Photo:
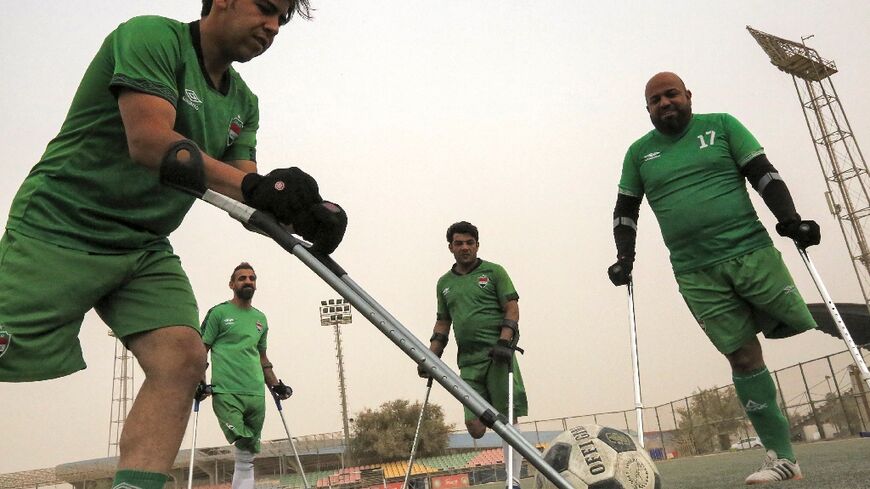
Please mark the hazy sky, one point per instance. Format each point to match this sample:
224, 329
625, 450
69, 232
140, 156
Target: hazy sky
413, 115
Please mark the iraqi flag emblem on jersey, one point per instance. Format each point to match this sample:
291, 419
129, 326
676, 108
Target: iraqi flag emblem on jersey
235, 130
482, 281
259, 326
5, 341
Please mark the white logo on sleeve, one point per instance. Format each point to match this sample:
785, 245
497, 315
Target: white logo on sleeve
192, 99
651, 156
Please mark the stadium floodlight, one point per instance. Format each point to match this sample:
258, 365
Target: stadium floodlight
335, 312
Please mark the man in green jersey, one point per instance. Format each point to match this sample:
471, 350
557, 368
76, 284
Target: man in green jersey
235, 332
693, 169
478, 298
89, 225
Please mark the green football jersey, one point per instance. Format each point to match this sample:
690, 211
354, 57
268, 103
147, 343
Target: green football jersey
86, 193
474, 303
236, 336
694, 187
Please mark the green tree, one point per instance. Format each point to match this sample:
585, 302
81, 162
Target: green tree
386, 434
712, 417
841, 413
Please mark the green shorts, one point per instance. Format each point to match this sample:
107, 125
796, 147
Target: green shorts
737, 299
490, 380
241, 418
48, 289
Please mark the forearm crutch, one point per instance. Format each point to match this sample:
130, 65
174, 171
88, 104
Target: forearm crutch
331, 273
289, 438
193, 443
835, 315
510, 409
417, 434
635, 362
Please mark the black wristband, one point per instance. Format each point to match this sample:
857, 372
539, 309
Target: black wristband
440, 337
267, 365
510, 323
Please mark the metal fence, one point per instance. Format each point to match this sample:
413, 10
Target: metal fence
823, 398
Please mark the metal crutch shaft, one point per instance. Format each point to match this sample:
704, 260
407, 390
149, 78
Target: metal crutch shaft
290, 439
635, 363
193, 443
835, 315
331, 273
509, 476
417, 434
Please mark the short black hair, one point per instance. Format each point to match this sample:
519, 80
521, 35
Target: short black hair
241, 266
462, 227
296, 6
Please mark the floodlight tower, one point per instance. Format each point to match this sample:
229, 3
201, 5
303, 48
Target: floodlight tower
842, 162
335, 312
122, 394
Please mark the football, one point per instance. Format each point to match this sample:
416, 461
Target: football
598, 457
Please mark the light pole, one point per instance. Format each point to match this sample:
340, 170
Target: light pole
335, 312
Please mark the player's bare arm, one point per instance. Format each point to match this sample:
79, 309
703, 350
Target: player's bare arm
149, 121
440, 338
440, 335
511, 313
279, 389
268, 370
247, 166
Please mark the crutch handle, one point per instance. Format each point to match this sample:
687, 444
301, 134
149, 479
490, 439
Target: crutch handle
276, 399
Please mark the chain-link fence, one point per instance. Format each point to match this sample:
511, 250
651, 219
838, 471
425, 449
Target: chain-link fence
823, 398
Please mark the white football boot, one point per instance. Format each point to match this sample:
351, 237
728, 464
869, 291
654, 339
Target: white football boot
774, 470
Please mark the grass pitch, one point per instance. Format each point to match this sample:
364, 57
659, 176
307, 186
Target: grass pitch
841, 464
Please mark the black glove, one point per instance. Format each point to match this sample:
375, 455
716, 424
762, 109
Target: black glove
203, 390
502, 351
804, 233
281, 390
620, 272
323, 224
284, 193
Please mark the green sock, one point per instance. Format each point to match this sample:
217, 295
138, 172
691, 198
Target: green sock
757, 394
134, 479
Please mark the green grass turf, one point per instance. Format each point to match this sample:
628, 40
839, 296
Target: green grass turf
842, 464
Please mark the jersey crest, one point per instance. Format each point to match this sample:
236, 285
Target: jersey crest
259, 326
235, 129
482, 281
5, 340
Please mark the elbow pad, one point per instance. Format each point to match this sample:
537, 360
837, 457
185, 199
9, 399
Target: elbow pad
182, 168
625, 216
770, 186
